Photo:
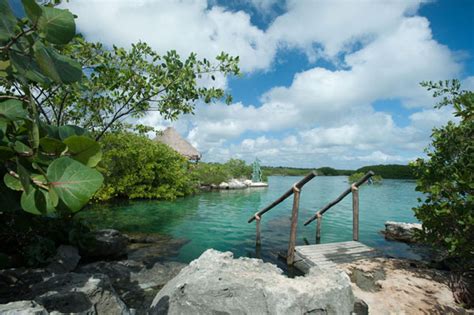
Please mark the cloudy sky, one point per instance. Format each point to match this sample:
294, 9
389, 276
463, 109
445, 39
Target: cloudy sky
325, 83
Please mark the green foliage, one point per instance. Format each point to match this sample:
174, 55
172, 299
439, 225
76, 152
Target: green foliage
137, 167
48, 166
376, 179
393, 171
216, 173
210, 173
446, 177
121, 82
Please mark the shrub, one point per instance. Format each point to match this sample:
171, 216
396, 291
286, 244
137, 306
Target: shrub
137, 167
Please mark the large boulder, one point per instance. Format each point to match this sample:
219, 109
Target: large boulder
66, 259
78, 293
23, 308
223, 185
106, 243
215, 283
400, 231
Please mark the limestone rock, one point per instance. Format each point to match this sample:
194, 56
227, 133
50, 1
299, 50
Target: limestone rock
106, 243
248, 182
23, 308
66, 259
223, 185
215, 283
400, 231
236, 184
78, 293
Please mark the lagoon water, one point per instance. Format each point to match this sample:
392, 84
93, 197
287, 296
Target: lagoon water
219, 219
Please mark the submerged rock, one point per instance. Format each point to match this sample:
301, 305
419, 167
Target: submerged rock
106, 243
400, 231
215, 283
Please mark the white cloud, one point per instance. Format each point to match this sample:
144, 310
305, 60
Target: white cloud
380, 50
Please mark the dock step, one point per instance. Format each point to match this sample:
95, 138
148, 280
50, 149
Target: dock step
331, 255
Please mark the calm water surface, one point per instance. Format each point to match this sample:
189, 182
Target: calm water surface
219, 219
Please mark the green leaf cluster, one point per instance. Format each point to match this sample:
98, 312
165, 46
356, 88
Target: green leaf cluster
446, 176
45, 169
215, 173
118, 83
137, 167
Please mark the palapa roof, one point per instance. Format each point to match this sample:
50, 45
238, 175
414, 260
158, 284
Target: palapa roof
172, 138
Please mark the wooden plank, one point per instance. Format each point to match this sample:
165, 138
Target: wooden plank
331, 255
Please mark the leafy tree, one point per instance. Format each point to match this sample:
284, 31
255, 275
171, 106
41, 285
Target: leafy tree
210, 173
51, 167
376, 179
238, 169
137, 167
394, 171
118, 83
446, 177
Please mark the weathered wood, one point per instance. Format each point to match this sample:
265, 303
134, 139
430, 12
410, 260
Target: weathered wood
258, 241
298, 185
290, 257
331, 255
355, 213
341, 196
318, 229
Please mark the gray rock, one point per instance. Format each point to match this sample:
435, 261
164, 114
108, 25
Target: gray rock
400, 231
107, 243
215, 283
66, 259
79, 294
22, 308
136, 283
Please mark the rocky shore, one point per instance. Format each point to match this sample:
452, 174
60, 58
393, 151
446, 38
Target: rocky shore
123, 274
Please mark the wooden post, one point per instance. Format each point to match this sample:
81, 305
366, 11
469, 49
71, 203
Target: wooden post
318, 228
355, 212
290, 257
257, 223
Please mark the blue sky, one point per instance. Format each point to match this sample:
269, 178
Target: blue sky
325, 83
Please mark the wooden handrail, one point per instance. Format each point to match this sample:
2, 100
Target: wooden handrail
290, 192
341, 196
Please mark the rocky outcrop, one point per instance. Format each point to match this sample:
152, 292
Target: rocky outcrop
66, 259
215, 283
106, 243
400, 231
136, 283
236, 184
23, 308
78, 293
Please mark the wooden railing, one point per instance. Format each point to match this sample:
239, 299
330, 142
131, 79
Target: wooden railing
295, 190
355, 208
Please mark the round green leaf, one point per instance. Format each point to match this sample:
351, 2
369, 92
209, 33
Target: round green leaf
56, 25
84, 149
73, 182
7, 21
32, 9
36, 201
12, 182
69, 130
52, 146
27, 67
59, 68
13, 110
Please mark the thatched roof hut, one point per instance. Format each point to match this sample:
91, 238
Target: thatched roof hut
172, 138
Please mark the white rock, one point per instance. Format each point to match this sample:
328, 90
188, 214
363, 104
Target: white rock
247, 182
215, 283
223, 185
236, 184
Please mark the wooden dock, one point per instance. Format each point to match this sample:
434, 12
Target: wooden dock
331, 255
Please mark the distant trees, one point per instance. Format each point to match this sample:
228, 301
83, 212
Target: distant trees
394, 171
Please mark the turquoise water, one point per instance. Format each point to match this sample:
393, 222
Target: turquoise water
219, 219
